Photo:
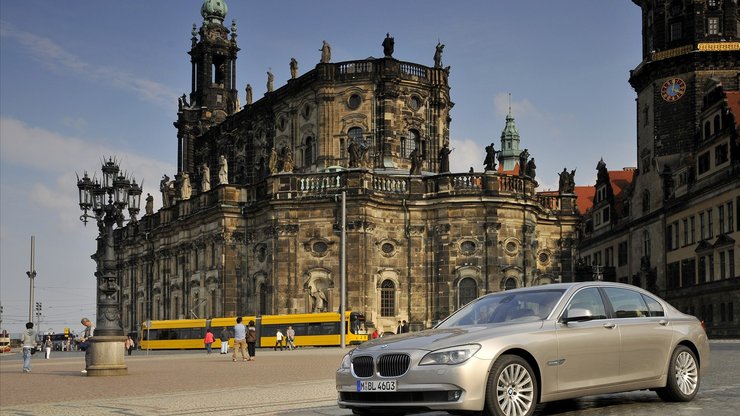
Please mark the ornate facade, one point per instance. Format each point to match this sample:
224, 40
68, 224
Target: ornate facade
251, 224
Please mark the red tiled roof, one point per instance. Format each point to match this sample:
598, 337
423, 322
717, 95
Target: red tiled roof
620, 179
733, 101
584, 198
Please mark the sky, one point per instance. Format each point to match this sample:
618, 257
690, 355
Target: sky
81, 81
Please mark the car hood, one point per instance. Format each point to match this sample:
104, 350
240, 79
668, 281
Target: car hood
434, 339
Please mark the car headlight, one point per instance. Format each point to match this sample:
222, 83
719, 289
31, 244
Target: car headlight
450, 356
347, 360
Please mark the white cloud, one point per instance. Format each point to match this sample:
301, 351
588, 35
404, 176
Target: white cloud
466, 153
54, 56
522, 108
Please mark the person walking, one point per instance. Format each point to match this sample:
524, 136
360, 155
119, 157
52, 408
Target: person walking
240, 339
375, 334
290, 338
208, 340
224, 337
28, 342
405, 327
47, 347
84, 343
251, 339
129, 344
278, 341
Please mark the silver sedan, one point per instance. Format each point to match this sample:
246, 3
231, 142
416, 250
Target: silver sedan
505, 352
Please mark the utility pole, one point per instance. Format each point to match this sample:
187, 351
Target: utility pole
31, 273
343, 273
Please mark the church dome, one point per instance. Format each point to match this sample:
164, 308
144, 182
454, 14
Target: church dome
214, 10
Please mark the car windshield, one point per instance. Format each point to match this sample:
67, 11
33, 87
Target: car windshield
505, 307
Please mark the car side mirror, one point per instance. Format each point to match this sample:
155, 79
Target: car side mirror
577, 315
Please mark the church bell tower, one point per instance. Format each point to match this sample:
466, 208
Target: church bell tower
213, 95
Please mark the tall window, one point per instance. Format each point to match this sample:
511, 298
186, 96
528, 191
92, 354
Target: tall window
467, 291
730, 218
409, 143
676, 31
309, 154
646, 244
693, 234
685, 231
645, 202
722, 269
355, 135
387, 298
721, 215
713, 26
710, 224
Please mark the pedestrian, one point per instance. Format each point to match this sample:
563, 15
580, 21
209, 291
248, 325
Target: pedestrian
278, 341
290, 336
84, 342
375, 334
240, 339
208, 340
251, 339
224, 337
399, 328
405, 327
129, 344
47, 347
28, 342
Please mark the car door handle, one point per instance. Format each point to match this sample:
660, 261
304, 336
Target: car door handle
609, 325
663, 322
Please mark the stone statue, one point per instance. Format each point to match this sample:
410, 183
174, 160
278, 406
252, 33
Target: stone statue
164, 185
270, 79
354, 154
388, 44
185, 189
531, 168
149, 207
293, 68
572, 182
288, 160
438, 55
415, 157
319, 299
249, 94
563, 180
444, 159
523, 156
325, 53
272, 161
184, 101
223, 170
490, 161
205, 178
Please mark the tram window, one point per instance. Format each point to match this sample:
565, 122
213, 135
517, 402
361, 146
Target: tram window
300, 329
329, 328
314, 329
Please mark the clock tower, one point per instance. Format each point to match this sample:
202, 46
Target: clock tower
685, 44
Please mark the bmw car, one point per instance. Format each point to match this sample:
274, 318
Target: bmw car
505, 352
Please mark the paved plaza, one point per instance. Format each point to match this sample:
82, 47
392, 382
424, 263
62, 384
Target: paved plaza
279, 383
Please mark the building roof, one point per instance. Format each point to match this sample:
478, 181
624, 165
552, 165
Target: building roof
584, 198
733, 101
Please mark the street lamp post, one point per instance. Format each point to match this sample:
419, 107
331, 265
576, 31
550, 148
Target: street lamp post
106, 348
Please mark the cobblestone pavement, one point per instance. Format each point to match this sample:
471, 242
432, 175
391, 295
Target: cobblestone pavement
280, 383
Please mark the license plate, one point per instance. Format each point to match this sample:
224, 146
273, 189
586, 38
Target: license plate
376, 385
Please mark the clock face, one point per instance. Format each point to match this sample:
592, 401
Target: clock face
673, 89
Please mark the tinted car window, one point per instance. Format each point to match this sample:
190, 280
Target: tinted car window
655, 308
626, 303
505, 308
589, 299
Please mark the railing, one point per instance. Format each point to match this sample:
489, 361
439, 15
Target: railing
551, 202
390, 184
508, 183
467, 181
320, 183
357, 67
413, 69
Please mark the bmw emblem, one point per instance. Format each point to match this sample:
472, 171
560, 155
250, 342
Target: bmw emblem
384, 346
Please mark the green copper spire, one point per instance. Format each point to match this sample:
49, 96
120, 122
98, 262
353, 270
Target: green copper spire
214, 11
509, 155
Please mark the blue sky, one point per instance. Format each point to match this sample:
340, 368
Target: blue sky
81, 80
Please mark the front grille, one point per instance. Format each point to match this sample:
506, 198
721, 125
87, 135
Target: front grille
393, 365
395, 397
363, 366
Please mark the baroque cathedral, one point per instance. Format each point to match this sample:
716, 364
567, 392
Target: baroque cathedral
252, 221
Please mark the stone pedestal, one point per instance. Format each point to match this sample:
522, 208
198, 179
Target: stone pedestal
105, 356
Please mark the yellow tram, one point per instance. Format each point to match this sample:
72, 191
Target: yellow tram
311, 329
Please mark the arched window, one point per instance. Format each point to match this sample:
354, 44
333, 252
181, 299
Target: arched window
707, 130
387, 298
467, 291
510, 284
645, 201
309, 153
410, 142
262, 300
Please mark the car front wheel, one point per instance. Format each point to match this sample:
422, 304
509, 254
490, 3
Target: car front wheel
512, 388
683, 377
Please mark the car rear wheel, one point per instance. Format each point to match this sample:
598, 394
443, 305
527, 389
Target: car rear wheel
683, 377
512, 388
